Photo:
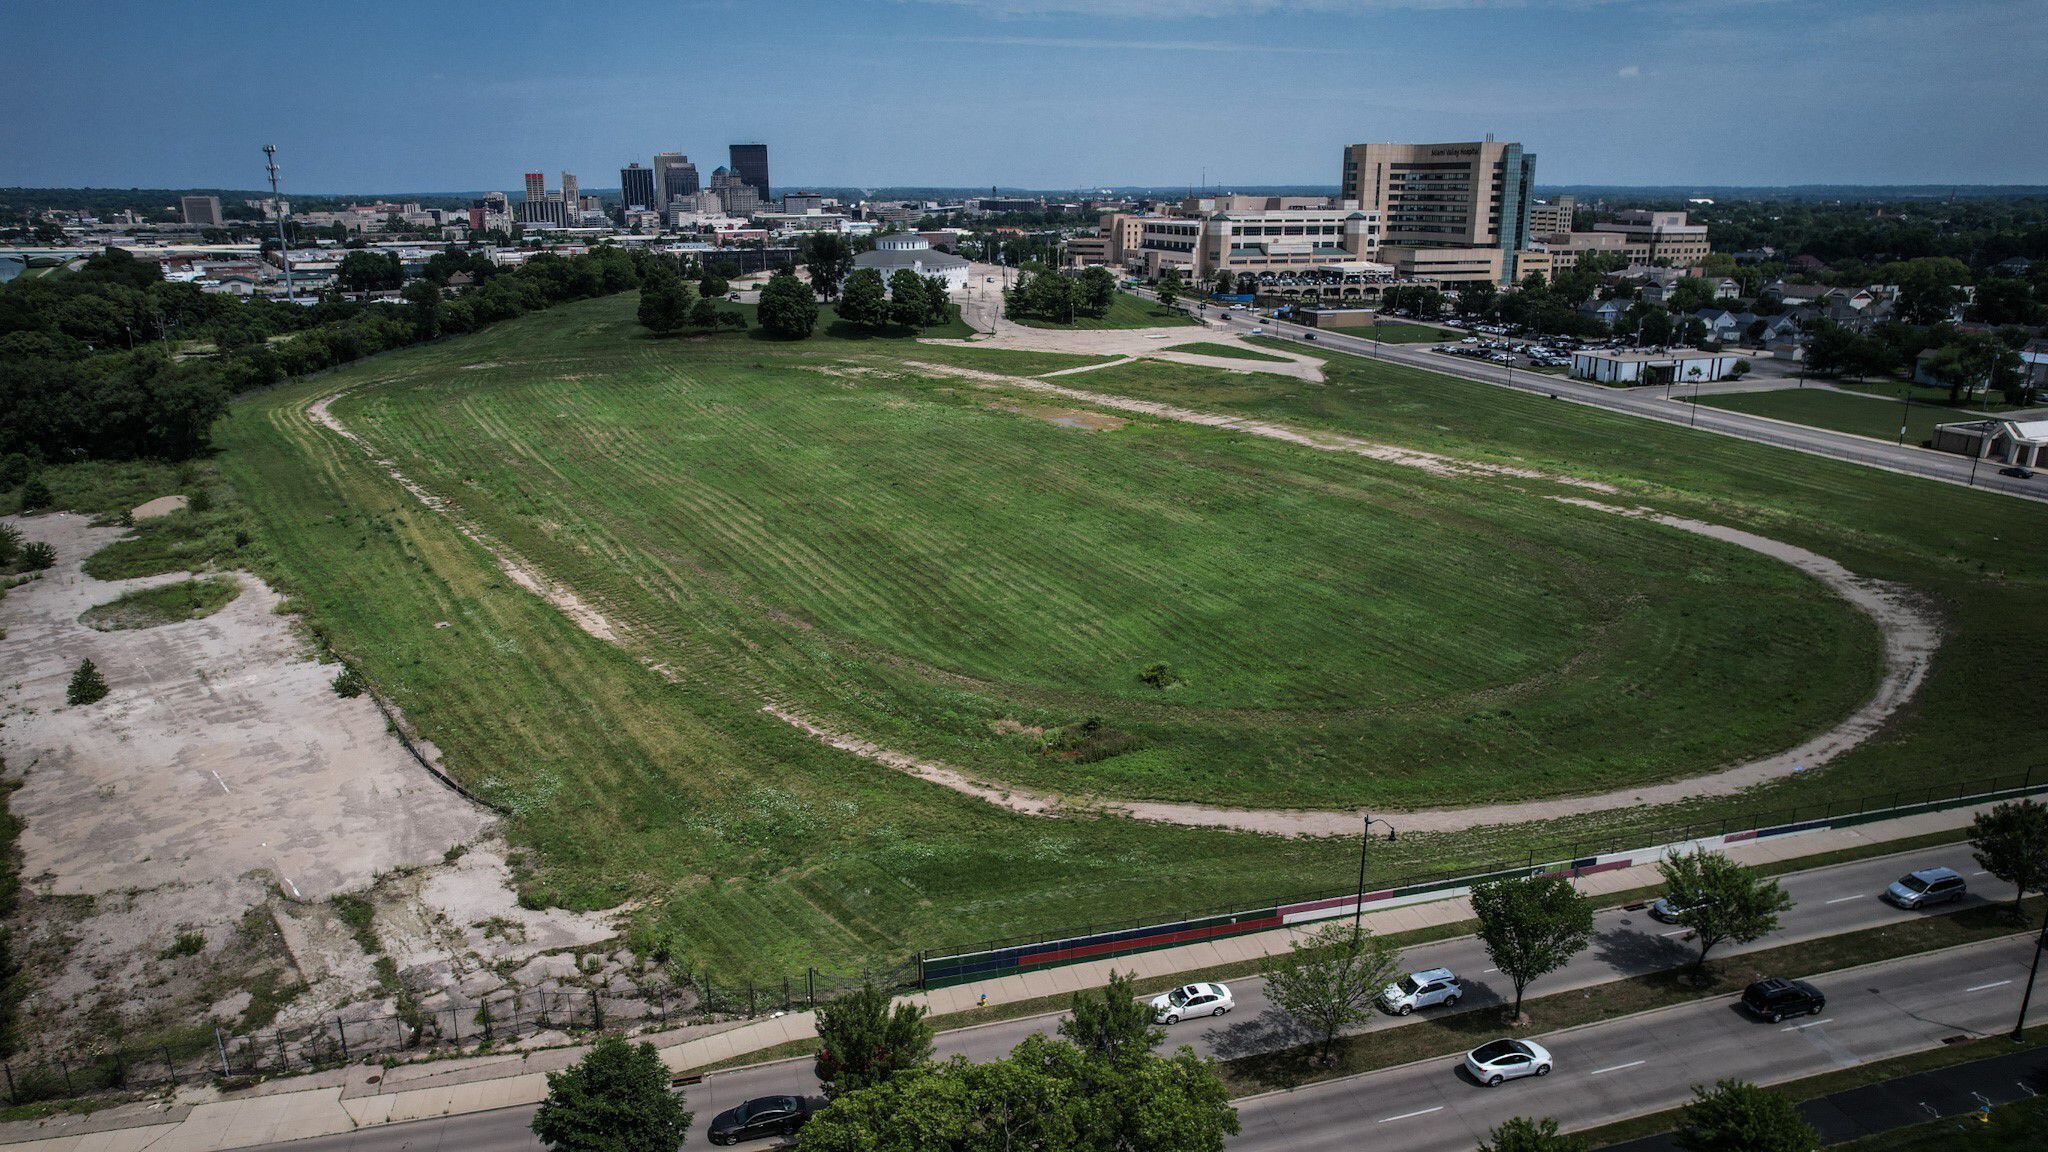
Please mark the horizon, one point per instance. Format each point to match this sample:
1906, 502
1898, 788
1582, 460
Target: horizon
1738, 94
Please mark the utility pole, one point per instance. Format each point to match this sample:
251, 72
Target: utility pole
284, 244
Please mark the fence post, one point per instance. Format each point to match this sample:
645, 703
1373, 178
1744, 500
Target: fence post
222, 1045
282, 1059
596, 1012
13, 1096
169, 1065
341, 1034
811, 987
750, 998
785, 993
484, 1009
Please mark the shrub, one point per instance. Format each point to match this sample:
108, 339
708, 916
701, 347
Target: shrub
187, 944
35, 495
349, 684
87, 685
10, 544
199, 500
1159, 675
36, 556
14, 468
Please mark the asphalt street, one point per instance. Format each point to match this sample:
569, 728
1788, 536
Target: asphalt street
1651, 404
1828, 901
1606, 1072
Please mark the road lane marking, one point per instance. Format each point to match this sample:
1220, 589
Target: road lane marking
217, 780
1617, 1068
1408, 1115
1981, 872
1993, 984
1840, 899
1490, 970
1809, 1024
1680, 932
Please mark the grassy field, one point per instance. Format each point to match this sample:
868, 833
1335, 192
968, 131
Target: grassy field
1232, 351
1125, 311
1404, 332
945, 569
163, 604
1822, 408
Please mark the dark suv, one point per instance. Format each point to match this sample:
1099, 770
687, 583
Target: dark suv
760, 1117
1775, 998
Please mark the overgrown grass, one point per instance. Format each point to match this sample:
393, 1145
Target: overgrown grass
895, 555
1125, 311
1403, 332
1452, 1032
1233, 351
163, 604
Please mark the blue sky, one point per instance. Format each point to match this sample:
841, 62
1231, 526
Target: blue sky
448, 94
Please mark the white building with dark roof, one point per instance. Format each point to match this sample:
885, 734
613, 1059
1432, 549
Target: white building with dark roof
893, 254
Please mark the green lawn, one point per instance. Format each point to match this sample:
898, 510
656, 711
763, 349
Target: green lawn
1125, 311
163, 604
1403, 332
944, 569
1863, 416
1232, 351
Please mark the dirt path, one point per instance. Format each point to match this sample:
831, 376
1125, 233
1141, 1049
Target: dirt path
583, 613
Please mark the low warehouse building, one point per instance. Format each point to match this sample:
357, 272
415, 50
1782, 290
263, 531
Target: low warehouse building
1673, 366
2021, 442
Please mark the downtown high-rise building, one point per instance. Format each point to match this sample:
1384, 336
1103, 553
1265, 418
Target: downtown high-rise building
201, 211
663, 161
571, 205
636, 188
1451, 212
750, 167
533, 210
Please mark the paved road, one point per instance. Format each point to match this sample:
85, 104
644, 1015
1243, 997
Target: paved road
1610, 1071
1650, 404
1829, 901
1956, 1093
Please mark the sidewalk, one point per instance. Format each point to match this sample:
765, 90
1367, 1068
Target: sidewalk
359, 1096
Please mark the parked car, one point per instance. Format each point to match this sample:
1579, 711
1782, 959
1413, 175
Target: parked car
760, 1117
1258, 331
1192, 1000
1665, 910
1926, 888
1507, 1060
1775, 998
1424, 989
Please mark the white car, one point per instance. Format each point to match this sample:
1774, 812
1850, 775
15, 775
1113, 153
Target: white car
1257, 331
1192, 1000
1507, 1060
1424, 989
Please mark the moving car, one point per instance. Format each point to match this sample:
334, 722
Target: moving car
758, 1118
1424, 989
2018, 472
1665, 911
1192, 1000
1926, 888
1775, 998
1506, 1060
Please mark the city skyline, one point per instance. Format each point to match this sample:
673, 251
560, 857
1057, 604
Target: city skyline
1014, 92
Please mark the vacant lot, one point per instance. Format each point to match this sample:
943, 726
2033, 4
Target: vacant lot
1862, 415
1125, 311
938, 566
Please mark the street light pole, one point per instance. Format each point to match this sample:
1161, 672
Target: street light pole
2020, 1026
1364, 839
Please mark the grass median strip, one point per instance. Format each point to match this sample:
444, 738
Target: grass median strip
1455, 1032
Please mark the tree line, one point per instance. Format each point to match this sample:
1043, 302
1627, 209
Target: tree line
112, 362
1061, 297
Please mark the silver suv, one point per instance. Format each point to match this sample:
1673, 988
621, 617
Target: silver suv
1927, 887
1424, 989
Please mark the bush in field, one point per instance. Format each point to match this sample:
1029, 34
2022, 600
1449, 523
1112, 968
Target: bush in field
35, 495
349, 684
87, 685
789, 309
10, 544
36, 556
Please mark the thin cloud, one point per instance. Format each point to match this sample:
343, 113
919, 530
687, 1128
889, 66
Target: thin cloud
1119, 45
1628, 72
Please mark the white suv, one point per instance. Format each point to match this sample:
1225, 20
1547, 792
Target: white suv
1424, 989
1192, 1000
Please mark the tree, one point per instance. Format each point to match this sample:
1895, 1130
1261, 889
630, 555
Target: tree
1047, 1094
938, 303
1691, 294
1655, 327
1169, 288
863, 299
789, 309
704, 314
615, 1099
1054, 296
2011, 843
1721, 900
829, 258
1112, 1023
366, 272
1531, 926
424, 297
1971, 362
712, 285
1097, 291
862, 1040
1521, 1134
1476, 298
1734, 1116
87, 685
1224, 280
665, 302
907, 304
1328, 980
10, 544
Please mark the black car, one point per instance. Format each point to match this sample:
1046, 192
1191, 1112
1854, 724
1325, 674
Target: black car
2017, 472
760, 1117
1775, 998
